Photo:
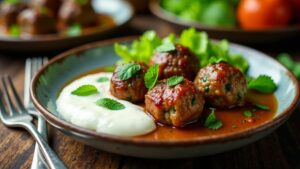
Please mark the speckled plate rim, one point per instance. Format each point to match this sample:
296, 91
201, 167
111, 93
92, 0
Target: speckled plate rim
222, 138
158, 11
59, 37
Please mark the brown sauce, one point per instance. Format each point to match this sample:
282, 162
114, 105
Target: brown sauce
105, 22
233, 119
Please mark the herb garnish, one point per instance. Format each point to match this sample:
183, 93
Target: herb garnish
14, 31
263, 84
126, 71
81, 2
174, 80
85, 90
211, 122
103, 79
166, 47
110, 104
74, 30
12, 1
151, 76
247, 113
262, 107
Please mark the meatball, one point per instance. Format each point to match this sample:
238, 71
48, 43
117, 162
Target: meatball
178, 62
176, 105
132, 89
223, 85
10, 12
35, 21
52, 5
79, 12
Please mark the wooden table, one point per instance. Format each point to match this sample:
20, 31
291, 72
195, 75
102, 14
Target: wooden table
279, 150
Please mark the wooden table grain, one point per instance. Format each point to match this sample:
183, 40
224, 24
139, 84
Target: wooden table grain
279, 150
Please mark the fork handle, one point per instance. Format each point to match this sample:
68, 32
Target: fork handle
51, 158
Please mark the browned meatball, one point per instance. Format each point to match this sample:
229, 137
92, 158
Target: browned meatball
132, 89
34, 22
178, 62
79, 12
52, 5
224, 86
10, 12
176, 105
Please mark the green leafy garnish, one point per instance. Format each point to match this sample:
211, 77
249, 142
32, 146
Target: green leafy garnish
211, 122
263, 84
14, 31
74, 30
85, 90
166, 47
126, 71
81, 2
110, 104
290, 64
262, 107
151, 76
103, 79
174, 80
247, 113
12, 1
207, 51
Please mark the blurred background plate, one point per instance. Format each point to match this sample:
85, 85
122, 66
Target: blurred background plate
120, 11
236, 34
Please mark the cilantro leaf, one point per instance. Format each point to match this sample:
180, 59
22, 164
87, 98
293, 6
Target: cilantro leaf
262, 107
166, 47
151, 76
110, 104
211, 122
247, 113
126, 71
12, 1
263, 84
174, 80
85, 90
103, 79
14, 31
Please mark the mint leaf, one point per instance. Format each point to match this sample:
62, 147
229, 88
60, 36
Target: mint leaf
110, 104
211, 122
263, 84
247, 113
85, 90
262, 107
166, 47
74, 30
174, 80
126, 71
103, 79
151, 76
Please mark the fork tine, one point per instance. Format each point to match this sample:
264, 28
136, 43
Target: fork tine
3, 113
16, 96
11, 108
28, 77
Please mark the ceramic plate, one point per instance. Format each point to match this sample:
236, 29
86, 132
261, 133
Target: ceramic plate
232, 34
60, 70
120, 12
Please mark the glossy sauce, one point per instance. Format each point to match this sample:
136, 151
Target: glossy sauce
233, 119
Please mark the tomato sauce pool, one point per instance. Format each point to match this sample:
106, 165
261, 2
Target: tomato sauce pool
233, 120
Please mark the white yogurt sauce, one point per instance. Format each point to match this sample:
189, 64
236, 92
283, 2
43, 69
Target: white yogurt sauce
83, 111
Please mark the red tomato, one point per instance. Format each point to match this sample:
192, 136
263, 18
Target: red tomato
263, 14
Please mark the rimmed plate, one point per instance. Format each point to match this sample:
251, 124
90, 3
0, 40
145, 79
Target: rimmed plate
232, 34
49, 81
119, 11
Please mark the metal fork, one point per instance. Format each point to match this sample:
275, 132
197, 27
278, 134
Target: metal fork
31, 67
18, 116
